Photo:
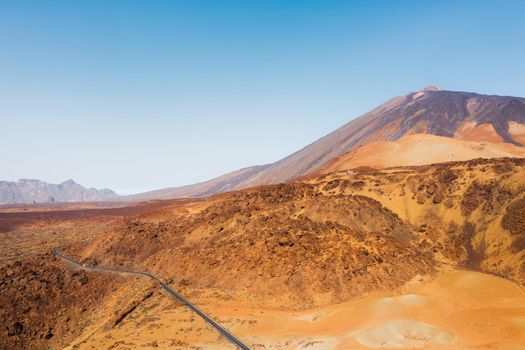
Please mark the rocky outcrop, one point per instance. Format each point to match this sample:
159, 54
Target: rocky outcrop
36, 191
44, 302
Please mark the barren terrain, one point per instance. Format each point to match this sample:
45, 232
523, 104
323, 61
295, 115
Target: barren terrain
480, 121
420, 149
410, 257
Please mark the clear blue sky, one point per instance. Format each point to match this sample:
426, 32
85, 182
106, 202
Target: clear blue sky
138, 95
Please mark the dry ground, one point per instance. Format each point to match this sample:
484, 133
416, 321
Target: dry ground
400, 258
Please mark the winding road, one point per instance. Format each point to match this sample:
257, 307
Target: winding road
170, 291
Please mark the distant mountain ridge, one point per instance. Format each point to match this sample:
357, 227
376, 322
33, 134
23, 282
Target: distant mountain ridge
459, 115
36, 191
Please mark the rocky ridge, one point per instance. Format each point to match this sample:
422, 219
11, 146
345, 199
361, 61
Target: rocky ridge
36, 191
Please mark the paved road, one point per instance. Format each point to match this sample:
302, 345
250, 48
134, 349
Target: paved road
173, 293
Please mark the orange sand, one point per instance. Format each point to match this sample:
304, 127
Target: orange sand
420, 149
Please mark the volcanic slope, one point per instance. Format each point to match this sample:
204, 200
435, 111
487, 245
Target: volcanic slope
460, 115
394, 246
285, 249
333, 237
420, 149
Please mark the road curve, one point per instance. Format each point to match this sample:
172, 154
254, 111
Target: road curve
173, 293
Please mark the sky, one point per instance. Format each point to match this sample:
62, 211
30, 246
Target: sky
140, 95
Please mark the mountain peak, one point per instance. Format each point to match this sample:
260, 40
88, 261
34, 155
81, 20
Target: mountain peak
423, 112
432, 87
69, 182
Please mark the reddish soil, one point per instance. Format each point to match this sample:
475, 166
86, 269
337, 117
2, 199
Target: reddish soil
278, 250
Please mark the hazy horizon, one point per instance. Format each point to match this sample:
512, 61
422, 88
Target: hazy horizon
146, 95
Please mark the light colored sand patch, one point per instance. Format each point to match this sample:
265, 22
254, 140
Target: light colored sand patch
517, 132
456, 310
310, 317
410, 300
471, 131
420, 149
403, 334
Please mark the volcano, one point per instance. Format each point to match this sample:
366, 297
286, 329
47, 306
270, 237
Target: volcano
465, 116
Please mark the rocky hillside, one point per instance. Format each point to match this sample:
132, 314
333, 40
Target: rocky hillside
35, 191
312, 247
460, 115
340, 234
48, 300
314, 242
